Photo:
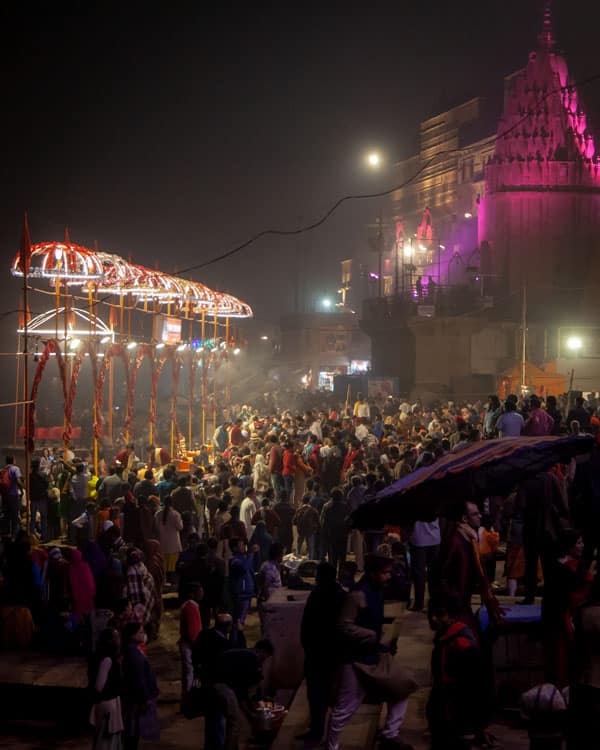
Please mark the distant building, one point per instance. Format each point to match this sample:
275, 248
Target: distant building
488, 217
315, 347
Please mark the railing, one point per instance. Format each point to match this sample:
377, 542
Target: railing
428, 303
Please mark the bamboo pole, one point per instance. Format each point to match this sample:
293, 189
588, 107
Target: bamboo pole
227, 367
215, 373
57, 298
154, 363
92, 351
17, 386
27, 405
172, 438
67, 369
192, 373
203, 377
110, 398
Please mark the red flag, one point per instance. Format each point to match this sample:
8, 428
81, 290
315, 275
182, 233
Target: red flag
25, 249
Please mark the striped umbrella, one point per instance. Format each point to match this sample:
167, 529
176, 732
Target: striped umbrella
489, 467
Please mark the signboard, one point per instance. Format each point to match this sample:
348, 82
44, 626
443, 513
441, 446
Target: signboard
359, 365
167, 329
383, 387
334, 342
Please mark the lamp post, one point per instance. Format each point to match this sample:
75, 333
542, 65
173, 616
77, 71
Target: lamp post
574, 345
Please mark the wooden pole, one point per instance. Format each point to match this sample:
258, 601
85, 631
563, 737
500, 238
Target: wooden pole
67, 360
16, 403
26, 405
92, 353
155, 359
191, 354
17, 397
110, 398
215, 373
227, 367
172, 438
57, 298
203, 376
524, 340
191, 394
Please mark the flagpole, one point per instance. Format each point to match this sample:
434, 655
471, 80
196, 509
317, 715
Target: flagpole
25, 259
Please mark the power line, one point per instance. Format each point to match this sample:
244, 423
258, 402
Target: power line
381, 194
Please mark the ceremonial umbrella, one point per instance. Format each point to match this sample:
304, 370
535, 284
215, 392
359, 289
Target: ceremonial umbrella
489, 467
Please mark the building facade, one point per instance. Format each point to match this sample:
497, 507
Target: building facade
497, 239
315, 347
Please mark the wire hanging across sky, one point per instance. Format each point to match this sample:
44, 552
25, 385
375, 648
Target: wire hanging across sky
367, 196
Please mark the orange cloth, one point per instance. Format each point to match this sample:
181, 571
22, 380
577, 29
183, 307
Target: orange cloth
488, 542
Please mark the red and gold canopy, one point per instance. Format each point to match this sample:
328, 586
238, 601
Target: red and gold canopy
75, 265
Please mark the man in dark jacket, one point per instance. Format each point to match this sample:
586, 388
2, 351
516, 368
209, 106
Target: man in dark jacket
334, 528
285, 513
454, 710
320, 643
366, 661
580, 414
38, 492
545, 513
241, 581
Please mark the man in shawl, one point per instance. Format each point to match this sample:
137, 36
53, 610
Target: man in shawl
82, 585
367, 667
140, 586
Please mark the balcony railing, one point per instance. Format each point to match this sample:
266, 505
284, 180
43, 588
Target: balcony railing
440, 301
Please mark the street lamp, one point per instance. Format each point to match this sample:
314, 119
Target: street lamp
374, 160
574, 343
326, 302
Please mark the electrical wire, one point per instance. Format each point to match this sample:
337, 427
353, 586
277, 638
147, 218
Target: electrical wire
360, 196
382, 193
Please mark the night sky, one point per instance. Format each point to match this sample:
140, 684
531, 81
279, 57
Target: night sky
170, 133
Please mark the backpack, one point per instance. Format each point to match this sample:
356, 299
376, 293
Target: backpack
5, 481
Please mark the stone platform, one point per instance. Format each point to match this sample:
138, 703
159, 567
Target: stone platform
49, 692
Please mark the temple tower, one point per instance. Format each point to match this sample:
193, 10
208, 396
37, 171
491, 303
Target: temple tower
539, 220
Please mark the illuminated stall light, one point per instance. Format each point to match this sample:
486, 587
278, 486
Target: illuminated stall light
109, 273
44, 324
72, 264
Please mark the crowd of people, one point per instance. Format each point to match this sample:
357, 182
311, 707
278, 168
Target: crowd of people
89, 572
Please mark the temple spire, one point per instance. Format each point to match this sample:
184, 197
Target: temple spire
546, 38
